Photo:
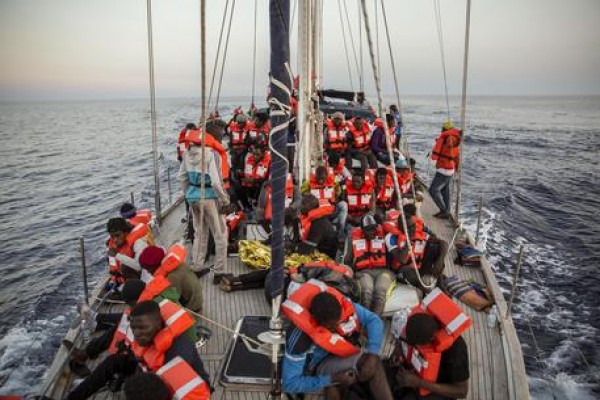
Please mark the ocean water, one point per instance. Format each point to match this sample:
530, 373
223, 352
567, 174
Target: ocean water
65, 168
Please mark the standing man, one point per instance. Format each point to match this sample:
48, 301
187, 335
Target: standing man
446, 153
212, 199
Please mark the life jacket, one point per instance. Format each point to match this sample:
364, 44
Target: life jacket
385, 195
253, 132
289, 197
154, 288
336, 136
405, 179
307, 220
444, 153
340, 343
176, 321
182, 381
390, 225
237, 135
233, 220
425, 359
182, 142
325, 192
114, 266
368, 254
141, 217
122, 334
362, 138
255, 170
194, 137
338, 171
359, 201
418, 241
173, 259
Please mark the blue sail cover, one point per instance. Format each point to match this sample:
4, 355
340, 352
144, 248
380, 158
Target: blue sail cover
279, 15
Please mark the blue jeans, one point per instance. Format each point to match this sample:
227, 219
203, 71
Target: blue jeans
440, 191
339, 218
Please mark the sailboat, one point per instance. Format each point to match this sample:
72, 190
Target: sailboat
243, 355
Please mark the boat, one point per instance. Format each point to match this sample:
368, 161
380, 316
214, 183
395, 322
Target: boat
247, 329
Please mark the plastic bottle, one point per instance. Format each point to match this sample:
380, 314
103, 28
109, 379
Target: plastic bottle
399, 321
492, 317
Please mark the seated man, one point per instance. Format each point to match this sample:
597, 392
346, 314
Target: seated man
259, 128
149, 321
125, 245
385, 195
379, 140
313, 361
264, 208
365, 252
335, 133
255, 172
179, 274
316, 230
360, 196
237, 142
236, 227
337, 167
359, 144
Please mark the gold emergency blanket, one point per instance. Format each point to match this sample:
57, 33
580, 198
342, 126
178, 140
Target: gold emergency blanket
258, 256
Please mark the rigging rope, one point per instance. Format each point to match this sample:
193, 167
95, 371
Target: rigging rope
438, 19
254, 55
377, 37
360, 48
224, 55
214, 73
202, 124
358, 70
345, 46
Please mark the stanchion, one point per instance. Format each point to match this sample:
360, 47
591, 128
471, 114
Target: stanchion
84, 269
479, 220
132, 198
513, 291
169, 186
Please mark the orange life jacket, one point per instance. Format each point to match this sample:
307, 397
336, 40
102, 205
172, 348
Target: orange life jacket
446, 154
176, 321
233, 220
122, 334
182, 142
405, 179
289, 197
425, 359
368, 253
173, 259
338, 343
194, 137
253, 132
418, 240
154, 288
338, 170
255, 170
385, 194
362, 138
237, 135
141, 217
307, 220
325, 192
336, 136
359, 201
182, 381
114, 265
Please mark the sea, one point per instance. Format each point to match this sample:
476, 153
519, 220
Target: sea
66, 167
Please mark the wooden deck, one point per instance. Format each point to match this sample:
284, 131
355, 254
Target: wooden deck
496, 363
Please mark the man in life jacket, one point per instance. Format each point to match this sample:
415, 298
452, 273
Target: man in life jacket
125, 245
322, 351
366, 253
316, 229
446, 377
237, 143
212, 198
358, 139
428, 250
159, 346
335, 133
146, 386
263, 212
182, 142
236, 227
337, 167
360, 196
379, 139
446, 154
259, 128
255, 171
385, 195
398, 125
323, 186
173, 267
134, 216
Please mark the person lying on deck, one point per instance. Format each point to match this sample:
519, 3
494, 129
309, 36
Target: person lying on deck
313, 361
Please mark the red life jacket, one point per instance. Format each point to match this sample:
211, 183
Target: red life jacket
194, 137
446, 154
237, 135
325, 192
359, 201
362, 138
154, 288
114, 266
385, 194
141, 217
368, 254
182, 381
296, 310
122, 334
405, 179
253, 132
307, 220
233, 220
255, 170
338, 170
425, 359
418, 240
289, 197
177, 321
172, 260
336, 136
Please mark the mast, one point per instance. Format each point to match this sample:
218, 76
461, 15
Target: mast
281, 82
304, 61
315, 79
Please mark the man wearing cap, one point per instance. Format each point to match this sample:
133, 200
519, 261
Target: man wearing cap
366, 253
255, 171
336, 129
446, 154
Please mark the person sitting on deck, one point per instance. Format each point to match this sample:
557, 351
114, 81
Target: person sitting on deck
237, 142
264, 209
323, 186
159, 345
360, 197
446, 154
398, 125
135, 216
335, 133
337, 167
316, 230
125, 245
146, 386
366, 253
379, 140
405, 177
313, 361
443, 364
173, 267
359, 144
429, 251
385, 195
259, 128
236, 227
256, 169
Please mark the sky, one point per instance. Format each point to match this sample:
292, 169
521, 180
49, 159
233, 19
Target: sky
97, 49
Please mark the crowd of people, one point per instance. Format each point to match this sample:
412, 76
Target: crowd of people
348, 208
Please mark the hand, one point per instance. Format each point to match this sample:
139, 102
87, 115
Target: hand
344, 378
367, 366
407, 378
111, 252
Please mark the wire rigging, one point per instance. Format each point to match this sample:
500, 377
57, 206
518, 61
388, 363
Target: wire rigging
345, 46
214, 73
440, 34
225, 55
254, 54
358, 71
